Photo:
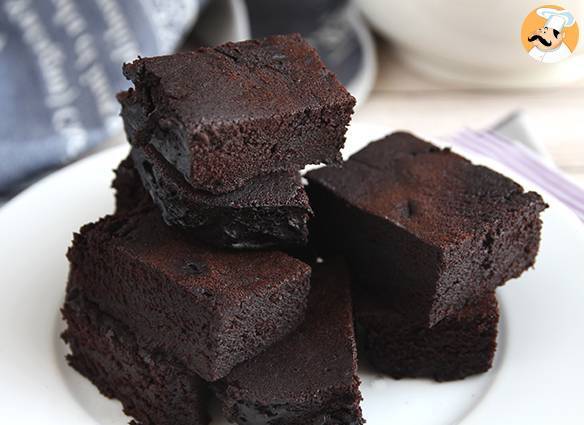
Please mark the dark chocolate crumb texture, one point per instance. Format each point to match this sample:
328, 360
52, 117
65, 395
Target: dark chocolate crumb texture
460, 345
308, 378
271, 210
153, 390
225, 115
209, 309
424, 225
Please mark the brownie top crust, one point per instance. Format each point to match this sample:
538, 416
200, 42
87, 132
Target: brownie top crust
252, 79
319, 356
200, 270
433, 193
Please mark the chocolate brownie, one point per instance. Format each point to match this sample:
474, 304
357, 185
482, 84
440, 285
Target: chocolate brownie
226, 114
271, 210
424, 225
311, 376
460, 345
152, 389
207, 308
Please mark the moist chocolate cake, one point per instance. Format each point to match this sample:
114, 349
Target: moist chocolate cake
460, 345
207, 308
310, 377
152, 389
424, 225
226, 114
271, 210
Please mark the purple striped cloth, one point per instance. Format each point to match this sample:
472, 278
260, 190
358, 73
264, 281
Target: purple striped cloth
524, 162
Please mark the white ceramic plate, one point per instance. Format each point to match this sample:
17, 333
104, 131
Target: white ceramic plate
537, 377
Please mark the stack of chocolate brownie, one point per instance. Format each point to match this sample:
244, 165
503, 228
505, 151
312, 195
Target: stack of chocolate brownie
218, 137
184, 292
189, 289
429, 237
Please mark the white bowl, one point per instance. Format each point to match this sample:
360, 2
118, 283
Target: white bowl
470, 41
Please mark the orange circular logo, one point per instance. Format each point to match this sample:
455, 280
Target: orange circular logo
550, 34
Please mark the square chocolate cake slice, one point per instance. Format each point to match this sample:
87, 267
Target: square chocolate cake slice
460, 345
226, 114
310, 377
207, 308
153, 390
424, 225
271, 210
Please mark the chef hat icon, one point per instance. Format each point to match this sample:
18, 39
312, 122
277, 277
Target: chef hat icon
556, 19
